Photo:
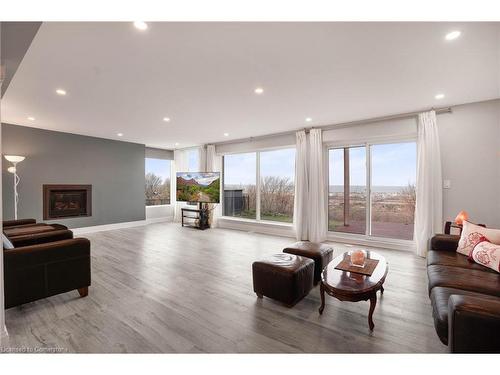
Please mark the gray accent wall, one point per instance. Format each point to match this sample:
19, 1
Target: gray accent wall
470, 155
114, 169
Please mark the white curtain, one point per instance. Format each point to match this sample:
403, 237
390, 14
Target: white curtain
300, 211
317, 203
181, 164
214, 164
202, 159
429, 202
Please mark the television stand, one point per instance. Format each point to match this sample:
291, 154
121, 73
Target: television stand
195, 217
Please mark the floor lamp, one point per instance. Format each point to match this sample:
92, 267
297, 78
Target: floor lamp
15, 159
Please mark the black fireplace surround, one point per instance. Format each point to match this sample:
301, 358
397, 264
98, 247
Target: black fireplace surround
66, 201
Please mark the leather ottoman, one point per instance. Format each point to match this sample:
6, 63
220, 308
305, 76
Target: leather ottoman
283, 277
321, 254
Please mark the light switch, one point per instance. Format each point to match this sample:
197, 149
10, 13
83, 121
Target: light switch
446, 184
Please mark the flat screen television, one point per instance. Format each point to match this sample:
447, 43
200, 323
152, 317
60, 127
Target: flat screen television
201, 187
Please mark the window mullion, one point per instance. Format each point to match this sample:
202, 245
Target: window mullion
257, 193
368, 190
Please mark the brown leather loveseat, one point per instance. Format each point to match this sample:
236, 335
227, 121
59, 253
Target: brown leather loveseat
465, 299
46, 260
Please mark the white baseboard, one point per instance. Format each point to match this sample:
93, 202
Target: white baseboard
100, 228
160, 220
128, 224
286, 230
382, 243
275, 229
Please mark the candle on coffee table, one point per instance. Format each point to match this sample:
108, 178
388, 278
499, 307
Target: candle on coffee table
358, 258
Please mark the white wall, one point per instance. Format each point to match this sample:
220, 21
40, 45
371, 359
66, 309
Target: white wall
470, 153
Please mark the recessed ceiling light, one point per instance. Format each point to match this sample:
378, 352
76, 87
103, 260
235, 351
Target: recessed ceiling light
439, 96
177, 143
308, 119
452, 35
31, 118
60, 92
166, 119
259, 90
141, 25
119, 134
226, 134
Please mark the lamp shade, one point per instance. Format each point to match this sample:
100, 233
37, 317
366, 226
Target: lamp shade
462, 215
14, 158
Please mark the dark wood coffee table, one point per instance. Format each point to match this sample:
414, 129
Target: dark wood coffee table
353, 287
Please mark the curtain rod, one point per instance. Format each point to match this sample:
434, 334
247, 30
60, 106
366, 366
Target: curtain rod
338, 126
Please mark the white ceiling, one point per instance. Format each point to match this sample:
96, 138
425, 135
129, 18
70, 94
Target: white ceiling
203, 76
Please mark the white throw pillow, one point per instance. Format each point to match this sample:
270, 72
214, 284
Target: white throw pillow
486, 254
471, 235
6, 242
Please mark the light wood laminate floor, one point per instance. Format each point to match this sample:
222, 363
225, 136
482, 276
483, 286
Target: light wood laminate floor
163, 288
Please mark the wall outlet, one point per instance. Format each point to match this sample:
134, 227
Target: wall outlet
446, 184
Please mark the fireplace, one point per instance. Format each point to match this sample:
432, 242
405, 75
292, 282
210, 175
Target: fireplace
66, 201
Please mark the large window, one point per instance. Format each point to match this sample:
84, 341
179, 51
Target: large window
260, 185
372, 190
240, 185
277, 172
157, 182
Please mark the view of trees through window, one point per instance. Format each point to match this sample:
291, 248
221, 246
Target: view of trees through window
157, 182
276, 187
392, 186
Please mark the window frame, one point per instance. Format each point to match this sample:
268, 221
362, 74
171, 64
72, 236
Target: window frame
367, 237
171, 171
257, 185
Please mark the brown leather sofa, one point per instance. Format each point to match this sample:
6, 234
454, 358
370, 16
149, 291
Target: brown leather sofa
44, 263
19, 222
15, 228
465, 299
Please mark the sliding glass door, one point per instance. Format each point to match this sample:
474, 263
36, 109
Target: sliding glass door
393, 196
347, 190
372, 190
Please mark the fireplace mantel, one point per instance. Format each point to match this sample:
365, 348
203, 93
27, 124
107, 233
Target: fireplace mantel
66, 201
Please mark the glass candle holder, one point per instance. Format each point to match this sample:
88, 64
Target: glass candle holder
358, 258
356, 277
